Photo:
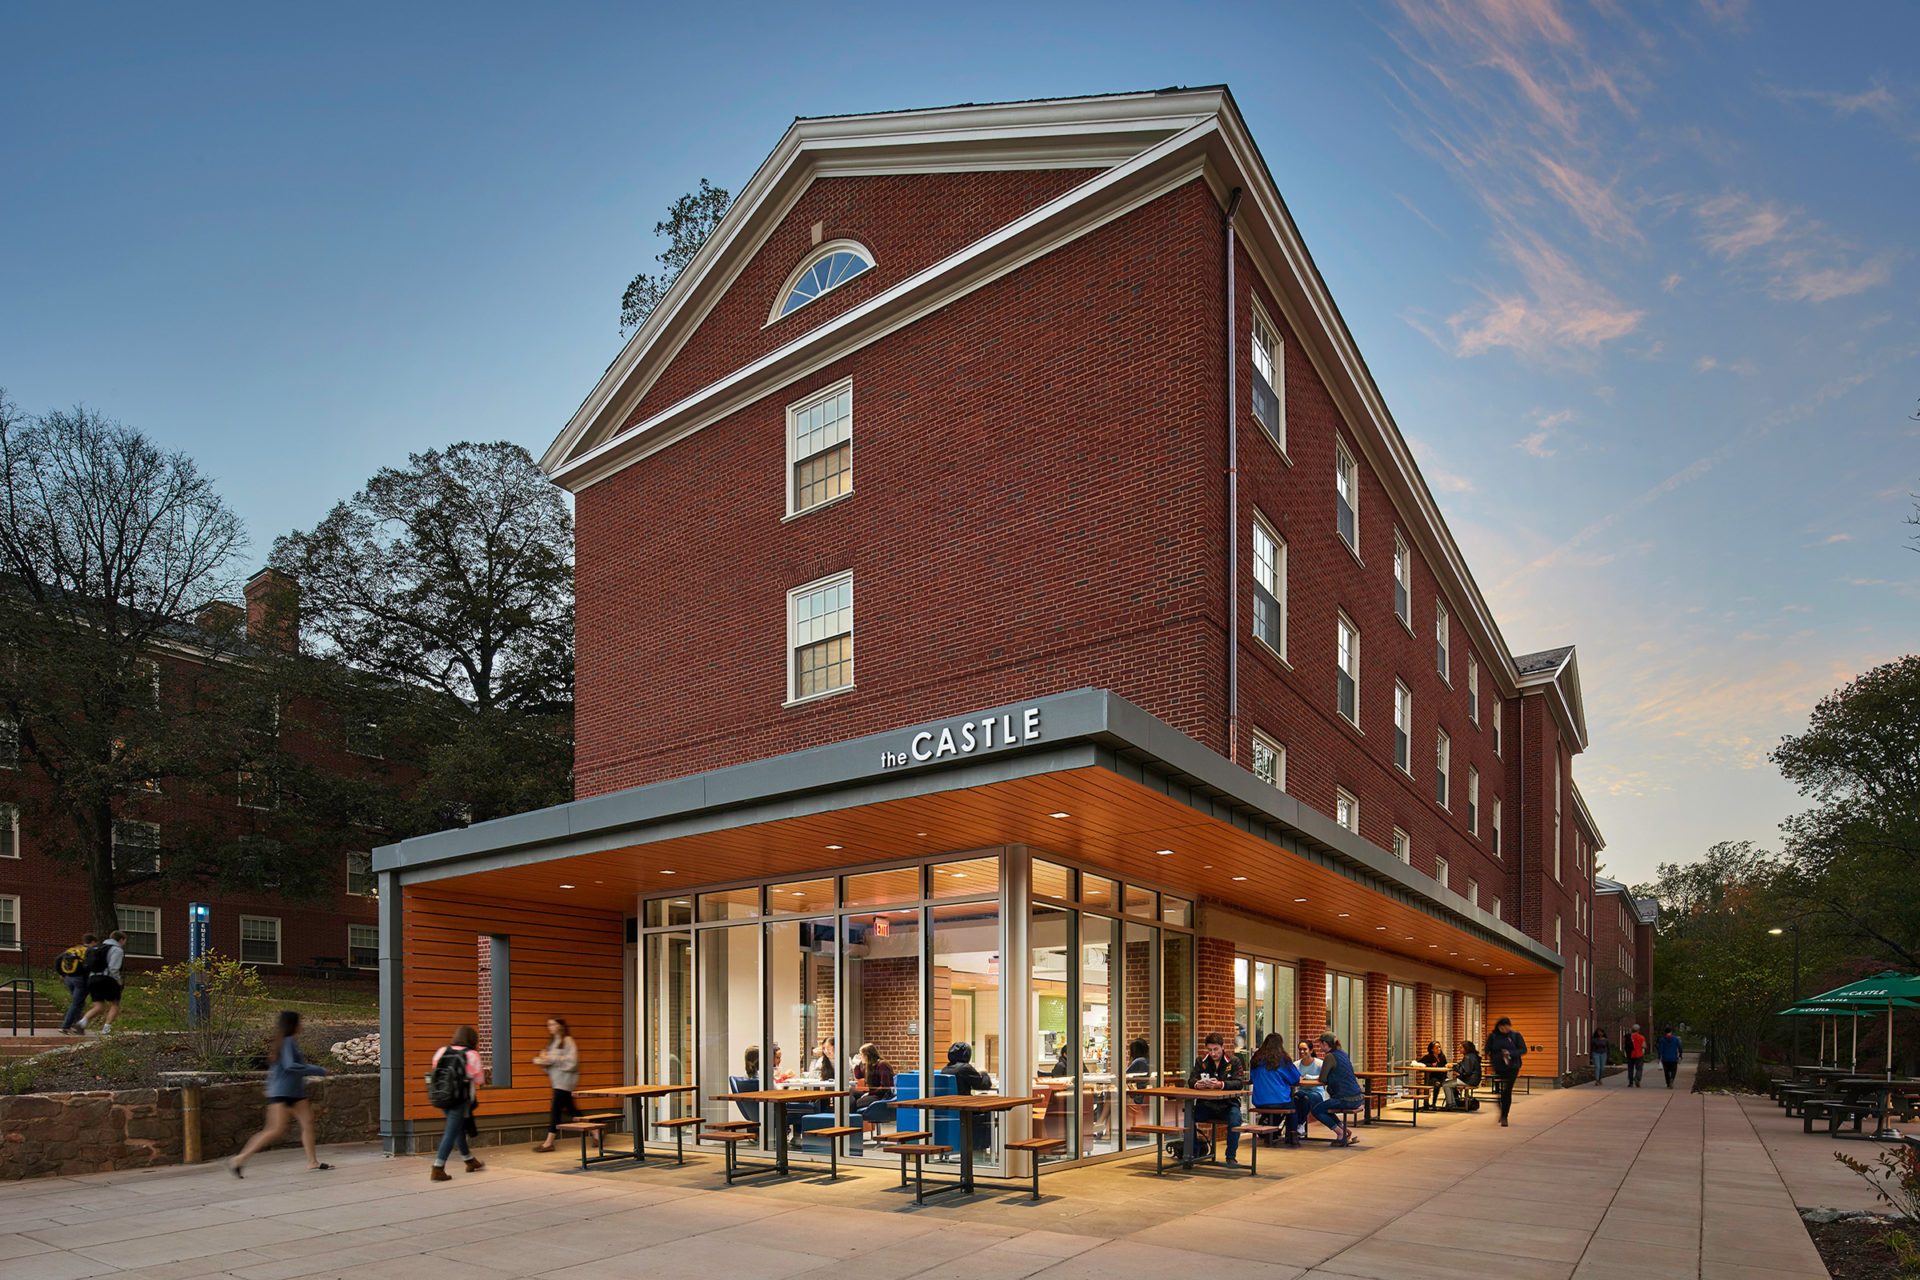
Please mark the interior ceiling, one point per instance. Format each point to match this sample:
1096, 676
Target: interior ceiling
1108, 822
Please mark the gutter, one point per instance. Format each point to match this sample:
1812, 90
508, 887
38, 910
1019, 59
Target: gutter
1233, 497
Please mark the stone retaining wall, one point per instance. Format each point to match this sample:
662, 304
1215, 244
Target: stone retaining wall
72, 1133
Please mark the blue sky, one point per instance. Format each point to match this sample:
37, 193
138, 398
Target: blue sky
1636, 281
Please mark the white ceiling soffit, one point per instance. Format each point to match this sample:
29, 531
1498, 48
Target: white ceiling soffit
1089, 133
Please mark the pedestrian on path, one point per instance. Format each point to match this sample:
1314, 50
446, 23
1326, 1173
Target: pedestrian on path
453, 1091
1600, 1048
1505, 1049
286, 1096
103, 980
1636, 1056
72, 968
1669, 1055
561, 1058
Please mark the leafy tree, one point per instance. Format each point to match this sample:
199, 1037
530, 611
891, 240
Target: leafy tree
690, 220
1855, 856
119, 687
446, 589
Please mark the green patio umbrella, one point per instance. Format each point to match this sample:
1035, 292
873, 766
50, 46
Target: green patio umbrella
1864, 998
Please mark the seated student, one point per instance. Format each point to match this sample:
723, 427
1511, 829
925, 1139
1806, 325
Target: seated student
820, 1065
873, 1101
1433, 1057
1307, 1092
1274, 1076
1343, 1089
1062, 1065
1218, 1069
967, 1079
1466, 1076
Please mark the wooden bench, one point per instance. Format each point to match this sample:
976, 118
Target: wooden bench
1035, 1148
1833, 1111
588, 1129
899, 1137
730, 1138
1375, 1111
919, 1151
1257, 1132
1161, 1132
679, 1127
833, 1137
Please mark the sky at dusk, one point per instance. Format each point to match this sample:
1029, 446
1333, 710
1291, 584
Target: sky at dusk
1637, 281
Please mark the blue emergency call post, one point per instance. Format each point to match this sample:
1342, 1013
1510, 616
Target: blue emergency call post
199, 943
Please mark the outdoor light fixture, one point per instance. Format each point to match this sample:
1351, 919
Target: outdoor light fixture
566, 886
1239, 877
1776, 932
669, 873
835, 846
1059, 815
1163, 852
1345, 914
1303, 900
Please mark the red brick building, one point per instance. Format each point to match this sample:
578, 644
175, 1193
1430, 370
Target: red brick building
1623, 959
45, 904
999, 487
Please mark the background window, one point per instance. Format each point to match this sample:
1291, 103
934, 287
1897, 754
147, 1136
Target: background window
1473, 891
1346, 809
1473, 800
136, 847
1402, 579
257, 790
1269, 762
1269, 588
1473, 689
820, 443
9, 830
1346, 488
821, 637
1402, 846
1269, 380
142, 927
1497, 704
361, 881
1403, 727
1442, 761
1441, 625
259, 940
1348, 657
363, 946
835, 268
9, 923
1440, 871
9, 744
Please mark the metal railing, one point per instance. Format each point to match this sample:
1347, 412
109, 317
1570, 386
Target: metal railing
16, 990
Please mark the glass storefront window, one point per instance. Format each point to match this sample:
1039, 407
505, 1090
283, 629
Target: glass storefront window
669, 911
1050, 988
1176, 911
965, 956
670, 1018
1099, 893
881, 981
878, 888
1143, 904
1347, 1015
730, 904
800, 896
1052, 882
1135, 995
728, 1052
1097, 953
966, 879
1401, 1028
1443, 1025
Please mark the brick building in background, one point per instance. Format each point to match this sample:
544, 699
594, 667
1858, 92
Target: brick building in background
45, 902
1044, 410
1623, 959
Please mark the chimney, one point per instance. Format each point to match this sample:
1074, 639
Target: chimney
273, 611
222, 618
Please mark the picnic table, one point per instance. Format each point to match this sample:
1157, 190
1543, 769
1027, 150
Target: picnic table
1434, 1077
966, 1104
1189, 1122
631, 1096
1367, 1078
779, 1100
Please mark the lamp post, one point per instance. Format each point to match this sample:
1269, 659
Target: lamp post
1794, 929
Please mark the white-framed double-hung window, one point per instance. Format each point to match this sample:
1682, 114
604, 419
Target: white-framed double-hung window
1440, 871
1473, 688
1497, 705
1402, 581
142, 927
9, 922
1494, 822
1402, 846
1346, 809
1347, 677
820, 448
1269, 761
1473, 800
1346, 495
136, 846
1442, 766
1403, 727
820, 638
1442, 626
1269, 587
9, 830
1269, 379
259, 940
363, 946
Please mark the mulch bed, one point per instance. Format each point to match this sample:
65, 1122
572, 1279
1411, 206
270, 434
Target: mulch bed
134, 1060
1854, 1251
1719, 1080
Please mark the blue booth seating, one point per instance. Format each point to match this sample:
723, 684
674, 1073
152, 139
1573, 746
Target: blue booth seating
946, 1124
745, 1084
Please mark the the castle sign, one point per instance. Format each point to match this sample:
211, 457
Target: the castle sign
969, 737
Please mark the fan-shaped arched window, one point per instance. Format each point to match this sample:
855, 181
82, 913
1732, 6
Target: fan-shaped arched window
831, 266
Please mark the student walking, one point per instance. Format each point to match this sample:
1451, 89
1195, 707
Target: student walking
103, 980
286, 1096
1274, 1076
452, 1089
72, 968
1636, 1057
1669, 1049
1505, 1048
1599, 1047
561, 1058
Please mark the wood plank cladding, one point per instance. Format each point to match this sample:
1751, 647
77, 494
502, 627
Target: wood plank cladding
1532, 1000
1112, 822
565, 962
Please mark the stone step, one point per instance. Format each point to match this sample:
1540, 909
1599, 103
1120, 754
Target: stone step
25, 1046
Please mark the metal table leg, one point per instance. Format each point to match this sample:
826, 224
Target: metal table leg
1190, 1142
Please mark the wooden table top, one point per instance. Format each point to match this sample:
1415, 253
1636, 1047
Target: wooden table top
1181, 1091
635, 1090
780, 1095
1380, 1075
1421, 1066
965, 1102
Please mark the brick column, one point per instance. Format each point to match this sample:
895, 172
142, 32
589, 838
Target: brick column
1423, 1028
1377, 1008
1311, 999
1214, 960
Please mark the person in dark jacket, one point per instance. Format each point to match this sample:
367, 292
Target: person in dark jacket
1435, 1056
286, 1096
1599, 1047
1669, 1049
874, 1099
1342, 1088
1218, 1069
1505, 1050
1466, 1075
968, 1078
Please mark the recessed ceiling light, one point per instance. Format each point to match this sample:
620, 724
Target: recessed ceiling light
669, 873
1453, 953
566, 886
1409, 937
959, 875
1303, 900
1433, 946
1239, 877
798, 894
1163, 852
1381, 927
1059, 815
1345, 914
836, 846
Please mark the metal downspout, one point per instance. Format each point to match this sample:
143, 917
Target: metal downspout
1233, 496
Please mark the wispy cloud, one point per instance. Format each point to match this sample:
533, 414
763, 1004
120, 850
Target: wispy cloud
1707, 364
1560, 309
1876, 100
1438, 473
1832, 538
1547, 429
1671, 283
1795, 257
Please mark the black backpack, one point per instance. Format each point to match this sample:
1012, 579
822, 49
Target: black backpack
447, 1083
97, 956
72, 962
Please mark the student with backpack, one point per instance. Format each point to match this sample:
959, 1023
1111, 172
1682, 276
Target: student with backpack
72, 968
286, 1096
1636, 1056
451, 1084
103, 980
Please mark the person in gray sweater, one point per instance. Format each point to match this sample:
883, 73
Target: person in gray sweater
287, 1073
561, 1058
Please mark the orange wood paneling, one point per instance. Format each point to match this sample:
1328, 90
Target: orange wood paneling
1533, 1002
565, 962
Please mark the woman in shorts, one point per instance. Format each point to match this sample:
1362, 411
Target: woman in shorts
286, 1096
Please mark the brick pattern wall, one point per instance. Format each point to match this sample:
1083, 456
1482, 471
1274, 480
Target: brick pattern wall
890, 1013
1423, 1028
1379, 1007
1214, 959
483, 1011
1312, 997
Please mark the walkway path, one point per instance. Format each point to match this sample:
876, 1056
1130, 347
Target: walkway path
1586, 1183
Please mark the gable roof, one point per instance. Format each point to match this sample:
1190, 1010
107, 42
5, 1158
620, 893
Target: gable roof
1558, 672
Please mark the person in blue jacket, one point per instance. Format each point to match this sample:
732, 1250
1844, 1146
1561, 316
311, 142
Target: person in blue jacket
287, 1074
1274, 1076
1669, 1049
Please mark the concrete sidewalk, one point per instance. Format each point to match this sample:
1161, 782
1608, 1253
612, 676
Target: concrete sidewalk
1587, 1182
